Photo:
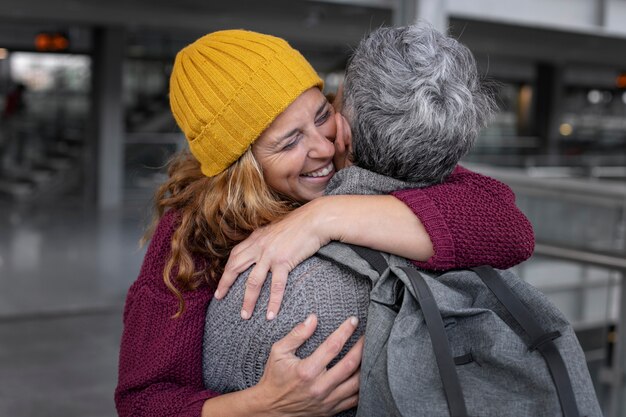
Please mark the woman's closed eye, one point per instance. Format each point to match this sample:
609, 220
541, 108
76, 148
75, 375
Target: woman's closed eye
323, 118
292, 142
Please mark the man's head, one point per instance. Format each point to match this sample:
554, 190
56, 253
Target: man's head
415, 103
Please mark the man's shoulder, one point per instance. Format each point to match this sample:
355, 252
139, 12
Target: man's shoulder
314, 265
317, 264
345, 257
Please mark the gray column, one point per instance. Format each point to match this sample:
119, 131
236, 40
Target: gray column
5, 74
600, 12
548, 96
433, 11
105, 162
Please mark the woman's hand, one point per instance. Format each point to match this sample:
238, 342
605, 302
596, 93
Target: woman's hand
305, 387
291, 386
272, 248
382, 223
343, 138
343, 143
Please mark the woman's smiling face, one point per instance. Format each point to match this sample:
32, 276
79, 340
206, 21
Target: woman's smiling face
296, 151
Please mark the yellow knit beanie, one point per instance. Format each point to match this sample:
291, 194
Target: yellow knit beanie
227, 87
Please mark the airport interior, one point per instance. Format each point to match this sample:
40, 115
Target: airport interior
87, 131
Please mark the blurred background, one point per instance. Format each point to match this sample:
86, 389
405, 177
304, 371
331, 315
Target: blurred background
86, 132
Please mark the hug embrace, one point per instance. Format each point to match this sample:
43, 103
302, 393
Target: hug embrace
233, 313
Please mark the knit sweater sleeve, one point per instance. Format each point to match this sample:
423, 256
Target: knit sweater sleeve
472, 220
160, 363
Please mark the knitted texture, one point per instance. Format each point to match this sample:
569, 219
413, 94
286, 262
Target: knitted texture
472, 220
315, 286
160, 357
160, 362
228, 86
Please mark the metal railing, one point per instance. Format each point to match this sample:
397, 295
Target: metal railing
614, 376
580, 221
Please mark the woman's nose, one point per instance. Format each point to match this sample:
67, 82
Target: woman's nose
321, 146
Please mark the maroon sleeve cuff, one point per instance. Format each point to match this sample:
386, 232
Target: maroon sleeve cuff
434, 223
196, 402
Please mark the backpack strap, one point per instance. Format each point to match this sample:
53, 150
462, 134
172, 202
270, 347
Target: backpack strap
540, 339
373, 257
436, 329
441, 345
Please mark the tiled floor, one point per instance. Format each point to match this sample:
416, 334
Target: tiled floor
59, 366
64, 272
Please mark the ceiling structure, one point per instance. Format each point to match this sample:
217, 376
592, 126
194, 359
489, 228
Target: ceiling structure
505, 31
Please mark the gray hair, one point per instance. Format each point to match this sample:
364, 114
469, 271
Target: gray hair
415, 103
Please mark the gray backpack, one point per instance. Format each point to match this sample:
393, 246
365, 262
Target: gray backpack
478, 342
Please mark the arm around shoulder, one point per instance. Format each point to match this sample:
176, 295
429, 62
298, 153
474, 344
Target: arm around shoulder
472, 220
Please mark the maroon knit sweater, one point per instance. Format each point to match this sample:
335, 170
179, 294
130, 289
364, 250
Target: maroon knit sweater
471, 219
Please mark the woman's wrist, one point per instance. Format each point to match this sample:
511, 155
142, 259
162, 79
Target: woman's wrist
339, 217
381, 222
325, 220
244, 403
259, 402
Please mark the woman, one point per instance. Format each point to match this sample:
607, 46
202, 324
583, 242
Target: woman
227, 89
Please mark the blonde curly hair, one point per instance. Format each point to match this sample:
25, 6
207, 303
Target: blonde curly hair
215, 214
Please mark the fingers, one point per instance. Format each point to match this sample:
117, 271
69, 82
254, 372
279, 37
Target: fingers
338, 101
343, 142
340, 146
347, 140
350, 386
307, 378
254, 283
279, 281
340, 135
239, 260
343, 380
347, 394
347, 366
346, 404
347, 133
330, 348
296, 337
226, 281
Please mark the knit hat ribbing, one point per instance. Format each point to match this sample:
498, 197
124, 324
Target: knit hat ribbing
227, 87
